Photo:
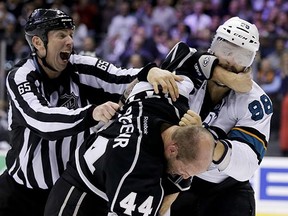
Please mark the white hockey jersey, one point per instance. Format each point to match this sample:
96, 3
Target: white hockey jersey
245, 118
241, 120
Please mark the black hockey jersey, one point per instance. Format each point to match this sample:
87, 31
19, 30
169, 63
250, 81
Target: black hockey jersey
124, 164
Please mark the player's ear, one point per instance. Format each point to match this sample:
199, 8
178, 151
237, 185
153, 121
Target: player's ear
173, 150
39, 46
37, 42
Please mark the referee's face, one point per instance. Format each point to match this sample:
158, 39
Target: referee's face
59, 48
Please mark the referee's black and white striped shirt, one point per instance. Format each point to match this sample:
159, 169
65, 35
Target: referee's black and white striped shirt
48, 119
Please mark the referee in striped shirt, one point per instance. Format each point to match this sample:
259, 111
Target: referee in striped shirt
55, 99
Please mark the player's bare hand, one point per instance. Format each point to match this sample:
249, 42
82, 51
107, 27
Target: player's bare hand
127, 92
239, 82
242, 82
105, 112
167, 80
190, 118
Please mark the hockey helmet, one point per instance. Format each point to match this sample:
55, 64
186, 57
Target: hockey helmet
41, 21
241, 33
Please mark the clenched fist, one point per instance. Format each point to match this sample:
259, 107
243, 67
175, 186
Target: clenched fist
190, 118
105, 112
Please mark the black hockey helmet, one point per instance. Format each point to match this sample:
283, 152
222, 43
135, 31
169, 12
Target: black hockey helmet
41, 21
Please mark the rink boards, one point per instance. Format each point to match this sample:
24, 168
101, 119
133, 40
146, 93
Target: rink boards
270, 183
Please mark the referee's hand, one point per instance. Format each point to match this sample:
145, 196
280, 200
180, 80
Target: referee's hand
105, 112
167, 80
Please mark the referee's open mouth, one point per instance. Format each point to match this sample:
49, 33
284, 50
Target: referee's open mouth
65, 55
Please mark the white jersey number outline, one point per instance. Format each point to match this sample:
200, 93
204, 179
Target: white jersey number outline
128, 203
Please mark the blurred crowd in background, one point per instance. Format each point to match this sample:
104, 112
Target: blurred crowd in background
133, 33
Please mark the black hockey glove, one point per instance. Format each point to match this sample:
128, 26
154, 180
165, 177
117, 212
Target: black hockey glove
190, 62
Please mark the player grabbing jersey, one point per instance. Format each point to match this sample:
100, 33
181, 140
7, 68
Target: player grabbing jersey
239, 121
122, 170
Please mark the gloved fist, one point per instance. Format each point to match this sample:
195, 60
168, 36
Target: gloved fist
184, 59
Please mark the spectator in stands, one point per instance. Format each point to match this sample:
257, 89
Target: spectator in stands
88, 46
9, 35
181, 32
281, 24
135, 61
107, 12
20, 49
275, 56
164, 15
268, 77
59, 4
270, 80
144, 17
283, 132
81, 32
119, 31
88, 11
198, 20
136, 46
26, 10
122, 24
6, 18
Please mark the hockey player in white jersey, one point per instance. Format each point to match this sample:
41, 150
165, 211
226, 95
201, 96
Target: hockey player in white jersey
240, 122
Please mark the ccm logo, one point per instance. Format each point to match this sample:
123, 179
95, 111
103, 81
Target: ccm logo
240, 36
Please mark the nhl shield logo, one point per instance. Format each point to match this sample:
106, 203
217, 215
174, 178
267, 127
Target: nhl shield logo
69, 101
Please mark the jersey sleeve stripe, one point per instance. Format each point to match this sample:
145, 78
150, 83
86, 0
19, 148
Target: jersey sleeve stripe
257, 143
